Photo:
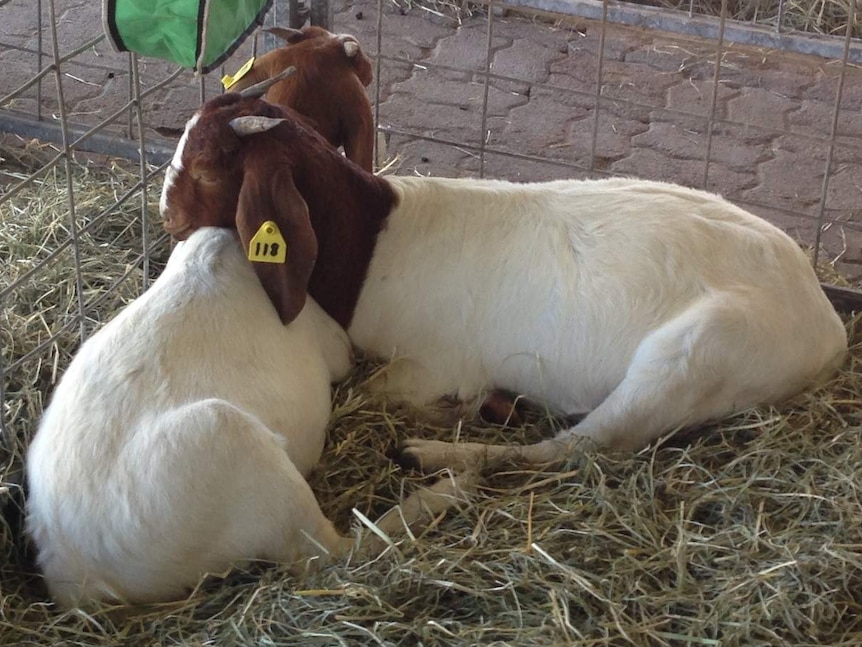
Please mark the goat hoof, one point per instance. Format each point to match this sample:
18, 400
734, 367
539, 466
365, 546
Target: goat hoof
433, 455
401, 456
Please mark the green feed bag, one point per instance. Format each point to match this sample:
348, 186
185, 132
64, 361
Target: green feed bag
198, 34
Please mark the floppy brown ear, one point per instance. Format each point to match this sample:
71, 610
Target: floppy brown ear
270, 195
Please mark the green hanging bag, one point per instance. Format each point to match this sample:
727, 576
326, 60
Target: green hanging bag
198, 34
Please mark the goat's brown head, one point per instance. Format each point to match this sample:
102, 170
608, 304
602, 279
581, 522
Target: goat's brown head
328, 88
224, 174
338, 47
313, 49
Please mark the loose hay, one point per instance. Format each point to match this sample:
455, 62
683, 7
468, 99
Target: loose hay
742, 533
822, 17
828, 17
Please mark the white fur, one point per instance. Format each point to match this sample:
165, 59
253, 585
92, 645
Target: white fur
178, 439
648, 305
175, 168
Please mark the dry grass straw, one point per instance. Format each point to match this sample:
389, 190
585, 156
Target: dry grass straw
44, 304
811, 16
743, 533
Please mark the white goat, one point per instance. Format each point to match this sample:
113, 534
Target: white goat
178, 440
646, 305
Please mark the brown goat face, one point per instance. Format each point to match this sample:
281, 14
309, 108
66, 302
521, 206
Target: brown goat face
338, 48
327, 88
225, 176
201, 187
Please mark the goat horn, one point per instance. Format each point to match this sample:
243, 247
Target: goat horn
253, 124
351, 48
259, 89
285, 33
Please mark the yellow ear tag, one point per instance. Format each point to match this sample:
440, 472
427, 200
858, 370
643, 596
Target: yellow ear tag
227, 80
267, 245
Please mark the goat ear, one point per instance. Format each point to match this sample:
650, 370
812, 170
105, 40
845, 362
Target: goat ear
273, 196
287, 34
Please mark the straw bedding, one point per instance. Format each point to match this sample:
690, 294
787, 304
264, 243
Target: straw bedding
740, 533
822, 17
827, 17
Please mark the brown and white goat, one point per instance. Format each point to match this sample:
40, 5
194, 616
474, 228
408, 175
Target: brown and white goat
328, 87
645, 305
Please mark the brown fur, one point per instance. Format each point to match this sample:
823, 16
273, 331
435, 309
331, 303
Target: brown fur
289, 175
328, 88
265, 196
321, 203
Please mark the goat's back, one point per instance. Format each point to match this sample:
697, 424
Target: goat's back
549, 288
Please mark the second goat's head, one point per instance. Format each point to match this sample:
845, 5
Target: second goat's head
228, 171
328, 88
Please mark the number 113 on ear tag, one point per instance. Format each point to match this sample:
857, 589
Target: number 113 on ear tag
267, 245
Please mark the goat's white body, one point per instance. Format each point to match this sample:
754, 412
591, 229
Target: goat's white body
177, 441
649, 305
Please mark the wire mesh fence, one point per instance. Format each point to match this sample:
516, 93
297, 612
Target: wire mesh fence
620, 92
479, 89
88, 124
